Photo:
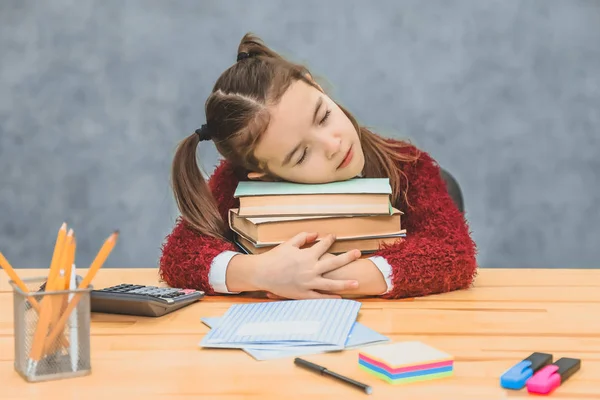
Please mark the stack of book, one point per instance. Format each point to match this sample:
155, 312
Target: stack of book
357, 211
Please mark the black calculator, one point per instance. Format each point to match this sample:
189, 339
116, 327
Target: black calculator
147, 301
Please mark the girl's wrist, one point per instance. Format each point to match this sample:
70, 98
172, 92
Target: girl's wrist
244, 273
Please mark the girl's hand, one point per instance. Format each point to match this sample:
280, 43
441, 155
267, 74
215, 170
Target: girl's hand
327, 256
293, 272
276, 297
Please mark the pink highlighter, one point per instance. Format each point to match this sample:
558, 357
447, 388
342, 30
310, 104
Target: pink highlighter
552, 376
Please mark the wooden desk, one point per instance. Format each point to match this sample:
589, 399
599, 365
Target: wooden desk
505, 317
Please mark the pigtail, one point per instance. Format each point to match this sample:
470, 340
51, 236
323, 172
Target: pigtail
192, 194
252, 46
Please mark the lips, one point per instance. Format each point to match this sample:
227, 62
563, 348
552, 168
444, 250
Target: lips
346, 159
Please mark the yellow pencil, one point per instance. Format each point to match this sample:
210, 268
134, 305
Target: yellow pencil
44, 319
57, 254
58, 283
45, 314
58, 301
101, 257
98, 262
15, 278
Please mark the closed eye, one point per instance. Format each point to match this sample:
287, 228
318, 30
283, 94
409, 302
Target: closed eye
304, 153
327, 113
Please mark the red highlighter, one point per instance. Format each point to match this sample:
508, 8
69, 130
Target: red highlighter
552, 376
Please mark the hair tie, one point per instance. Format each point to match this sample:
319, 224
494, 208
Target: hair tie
203, 133
243, 55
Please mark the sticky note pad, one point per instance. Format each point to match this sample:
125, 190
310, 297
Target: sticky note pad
406, 362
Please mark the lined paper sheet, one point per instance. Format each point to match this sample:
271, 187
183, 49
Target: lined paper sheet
359, 336
287, 323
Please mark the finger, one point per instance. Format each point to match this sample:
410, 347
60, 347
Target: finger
301, 239
274, 296
326, 256
331, 285
323, 245
333, 263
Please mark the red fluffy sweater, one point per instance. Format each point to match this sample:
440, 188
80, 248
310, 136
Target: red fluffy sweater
437, 255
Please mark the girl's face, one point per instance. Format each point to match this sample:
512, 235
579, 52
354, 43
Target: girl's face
309, 139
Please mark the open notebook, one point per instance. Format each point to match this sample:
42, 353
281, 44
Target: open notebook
359, 336
282, 324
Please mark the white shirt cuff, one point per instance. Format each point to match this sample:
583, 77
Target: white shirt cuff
386, 270
218, 272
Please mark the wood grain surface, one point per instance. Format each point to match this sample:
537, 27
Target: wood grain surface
508, 314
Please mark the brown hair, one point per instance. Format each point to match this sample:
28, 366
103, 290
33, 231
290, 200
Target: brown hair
236, 116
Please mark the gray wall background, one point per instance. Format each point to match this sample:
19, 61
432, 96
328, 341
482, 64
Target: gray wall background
94, 96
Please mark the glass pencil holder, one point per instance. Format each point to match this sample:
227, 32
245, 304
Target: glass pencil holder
51, 331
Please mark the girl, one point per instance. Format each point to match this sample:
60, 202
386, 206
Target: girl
271, 121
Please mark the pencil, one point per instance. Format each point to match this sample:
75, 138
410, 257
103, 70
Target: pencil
15, 278
57, 254
71, 260
57, 306
59, 283
46, 313
101, 257
73, 339
66, 256
43, 322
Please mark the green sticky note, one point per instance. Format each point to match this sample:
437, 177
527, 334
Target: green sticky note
412, 379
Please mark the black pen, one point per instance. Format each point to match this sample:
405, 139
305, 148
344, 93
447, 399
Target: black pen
324, 371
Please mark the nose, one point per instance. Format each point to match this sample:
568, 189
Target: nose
332, 145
